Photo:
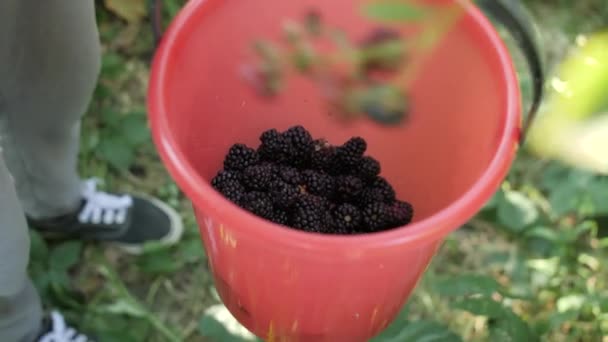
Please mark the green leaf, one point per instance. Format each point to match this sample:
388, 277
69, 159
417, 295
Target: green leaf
554, 176
135, 130
112, 64
38, 248
494, 200
117, 151
516, 211
543, 233
421, 331
192, 251
481, 307
510, 328
65, 256
59, 279
390, 10
599, 195
572, 235
504, 324
152, 247
467, 284
565, 198
161, 262
111, 119
558, 318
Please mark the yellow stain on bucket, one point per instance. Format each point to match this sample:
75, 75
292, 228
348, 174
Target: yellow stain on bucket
270, 336
227, 237
384, 324
374, 315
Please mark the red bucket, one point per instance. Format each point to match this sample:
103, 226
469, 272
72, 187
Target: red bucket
447, 160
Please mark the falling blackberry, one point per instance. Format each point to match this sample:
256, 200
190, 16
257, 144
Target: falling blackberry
239, 157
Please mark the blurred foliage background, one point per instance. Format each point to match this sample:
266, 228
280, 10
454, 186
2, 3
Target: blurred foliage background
531, 266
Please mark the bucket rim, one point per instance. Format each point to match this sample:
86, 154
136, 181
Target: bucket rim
428, 230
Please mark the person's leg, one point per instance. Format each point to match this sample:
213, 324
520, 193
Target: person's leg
50, 60
20, 309
49, 63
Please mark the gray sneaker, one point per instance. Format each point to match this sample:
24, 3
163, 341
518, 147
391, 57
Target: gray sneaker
125, 220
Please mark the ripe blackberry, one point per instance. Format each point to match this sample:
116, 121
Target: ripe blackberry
400, 213
290, 175
301, 144
375, 216
346, 217
318, 183
274, 146
311, 202
239, 157
233, 190
222, 177
258, 203
257, 177
348, 188
308, 220
371, 195
386, 189
349, 155
283, 194
323, 155
280, 217
368, 168
356, 146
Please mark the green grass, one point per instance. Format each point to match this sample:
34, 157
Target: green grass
535, 258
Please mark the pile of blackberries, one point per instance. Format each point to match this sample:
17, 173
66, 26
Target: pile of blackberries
307, 184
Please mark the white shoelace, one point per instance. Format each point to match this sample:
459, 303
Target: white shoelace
62, 332
103, 207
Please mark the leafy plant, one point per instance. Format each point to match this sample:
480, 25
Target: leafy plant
366, 77
121, 136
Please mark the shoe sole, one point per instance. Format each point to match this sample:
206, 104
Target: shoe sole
173, 236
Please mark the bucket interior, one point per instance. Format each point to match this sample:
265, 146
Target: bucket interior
458, 102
